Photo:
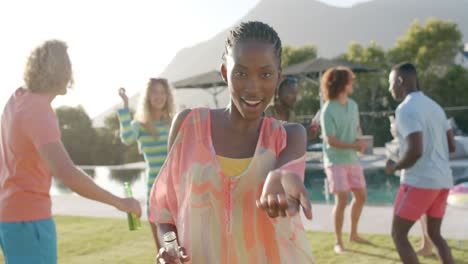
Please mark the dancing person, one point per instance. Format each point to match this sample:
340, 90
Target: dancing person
150, 127
340, 128
223, 162
31, 152
425, 140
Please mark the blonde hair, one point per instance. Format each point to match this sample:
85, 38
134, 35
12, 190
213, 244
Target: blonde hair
143, 112
48, 68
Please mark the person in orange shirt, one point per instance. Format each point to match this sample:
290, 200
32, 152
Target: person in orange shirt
31, 152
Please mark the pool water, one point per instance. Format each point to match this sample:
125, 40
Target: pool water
381, 188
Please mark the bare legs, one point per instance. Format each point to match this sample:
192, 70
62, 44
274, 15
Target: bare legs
360, 197
341, 200
400, 229
426, 247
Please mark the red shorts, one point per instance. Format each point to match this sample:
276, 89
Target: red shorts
411, 202
343, 178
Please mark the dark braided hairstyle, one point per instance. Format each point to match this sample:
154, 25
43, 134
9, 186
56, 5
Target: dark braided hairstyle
253, 30
286, 82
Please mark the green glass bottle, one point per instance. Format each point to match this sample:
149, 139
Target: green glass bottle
133, 221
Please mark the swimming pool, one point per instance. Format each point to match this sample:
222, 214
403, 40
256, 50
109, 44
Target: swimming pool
381, 188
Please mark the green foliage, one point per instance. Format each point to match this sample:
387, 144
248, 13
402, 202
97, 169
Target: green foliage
292, 55
78, 134
94, 146
434, 47
308, 101
451, 90
371, 89
308, 98
112, 151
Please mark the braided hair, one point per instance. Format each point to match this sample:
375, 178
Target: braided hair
253, 30
286, 82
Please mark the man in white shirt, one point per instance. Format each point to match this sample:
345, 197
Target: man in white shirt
425, 141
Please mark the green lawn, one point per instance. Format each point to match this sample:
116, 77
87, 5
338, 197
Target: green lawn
98, 240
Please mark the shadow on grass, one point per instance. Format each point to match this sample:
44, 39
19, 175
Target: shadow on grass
460, 261
373, 255
432, 257
459, 248
371, 244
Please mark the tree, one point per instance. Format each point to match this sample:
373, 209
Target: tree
451, 90
292, 55
78, 134
130, 153
110, 149
370, 89
434, 48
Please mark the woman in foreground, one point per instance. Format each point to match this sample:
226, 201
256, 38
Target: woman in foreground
232, 185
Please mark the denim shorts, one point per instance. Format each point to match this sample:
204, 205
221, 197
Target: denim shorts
29, 242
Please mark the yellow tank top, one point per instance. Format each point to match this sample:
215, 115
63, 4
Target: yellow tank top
233, 167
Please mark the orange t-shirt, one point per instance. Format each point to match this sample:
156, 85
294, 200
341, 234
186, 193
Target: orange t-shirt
28, 122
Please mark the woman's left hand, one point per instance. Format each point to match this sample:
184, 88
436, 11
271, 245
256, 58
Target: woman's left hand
283, 194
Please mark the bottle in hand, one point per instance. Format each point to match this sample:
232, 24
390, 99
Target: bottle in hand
133, 221
171, 245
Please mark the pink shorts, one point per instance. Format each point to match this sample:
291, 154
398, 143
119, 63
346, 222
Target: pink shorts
411, 202
343, 178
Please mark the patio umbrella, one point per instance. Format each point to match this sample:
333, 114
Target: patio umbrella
211, 82
320, 65
314, 68
458, 196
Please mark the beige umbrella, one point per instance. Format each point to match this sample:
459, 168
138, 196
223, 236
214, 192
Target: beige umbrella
211, 82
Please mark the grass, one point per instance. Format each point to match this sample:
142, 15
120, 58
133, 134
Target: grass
103, 240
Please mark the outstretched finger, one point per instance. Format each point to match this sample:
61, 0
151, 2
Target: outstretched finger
293, 207
164, 257
282, 213
282, 202
283, 205
306, 204
183, 255
262, 203
272, 202
159, 256
272, 213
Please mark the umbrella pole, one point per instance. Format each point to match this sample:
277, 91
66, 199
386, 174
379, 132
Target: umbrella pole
215, 92
320, 90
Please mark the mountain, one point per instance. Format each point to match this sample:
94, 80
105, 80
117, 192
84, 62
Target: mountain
300, 22
330, 28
